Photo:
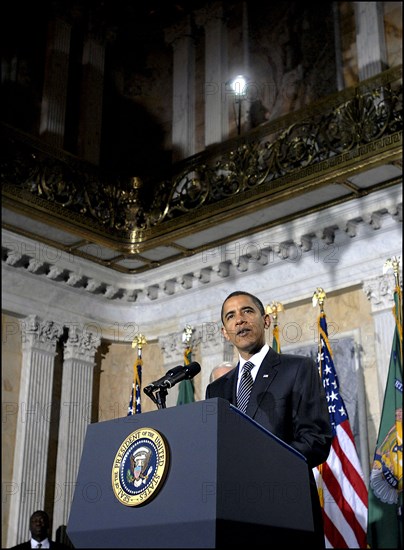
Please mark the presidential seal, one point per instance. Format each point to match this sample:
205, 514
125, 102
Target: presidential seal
140, 467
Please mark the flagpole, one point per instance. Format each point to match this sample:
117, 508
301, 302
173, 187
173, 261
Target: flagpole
273, 309
319, 298
186, 338
186, 388
135, 400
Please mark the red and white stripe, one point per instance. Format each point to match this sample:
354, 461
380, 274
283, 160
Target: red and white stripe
345, 493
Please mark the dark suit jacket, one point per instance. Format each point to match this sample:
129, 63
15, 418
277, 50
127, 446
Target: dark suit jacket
52, 544
288, 399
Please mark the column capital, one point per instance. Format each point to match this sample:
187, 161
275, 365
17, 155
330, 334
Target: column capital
205, 15
210, 335
40, 333
171, 345
380, 292
81, 344
207, 334
179, 31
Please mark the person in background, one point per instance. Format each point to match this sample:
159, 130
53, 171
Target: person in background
39, 527
285, 393
222, 368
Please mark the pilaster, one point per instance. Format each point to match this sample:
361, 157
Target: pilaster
216, 110
370, 39
53, 112
75, 415
91, 103
33, 426
380, 293
183, 133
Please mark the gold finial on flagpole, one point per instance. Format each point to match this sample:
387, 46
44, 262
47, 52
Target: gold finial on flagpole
393, 263
187, 334
319, 297
273, 309
139, 341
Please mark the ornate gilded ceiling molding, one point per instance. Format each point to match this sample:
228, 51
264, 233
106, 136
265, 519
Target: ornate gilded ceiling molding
325, 143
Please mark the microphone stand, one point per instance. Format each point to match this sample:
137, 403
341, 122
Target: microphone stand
160, 399
160, 387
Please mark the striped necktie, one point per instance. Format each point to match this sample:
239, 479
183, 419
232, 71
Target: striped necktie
245, 387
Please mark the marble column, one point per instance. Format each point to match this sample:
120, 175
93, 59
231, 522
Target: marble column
380, 292
75, 415
54, 97
33, 425
370, 39
183, 132
216, 75
339, 64
91, 100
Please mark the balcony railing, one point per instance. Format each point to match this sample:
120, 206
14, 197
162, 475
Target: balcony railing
338, 136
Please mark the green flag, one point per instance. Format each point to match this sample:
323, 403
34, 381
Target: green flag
186, 387
276, 343
185, 392
385, 528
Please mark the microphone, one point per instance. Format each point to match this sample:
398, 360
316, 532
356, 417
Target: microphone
160, 382
173, 376
187, 372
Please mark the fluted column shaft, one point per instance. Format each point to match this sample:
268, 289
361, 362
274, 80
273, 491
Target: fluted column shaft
183, 133
53, 111
33, 426
91, 104
75, 415
216, 107
370, 39
380, 293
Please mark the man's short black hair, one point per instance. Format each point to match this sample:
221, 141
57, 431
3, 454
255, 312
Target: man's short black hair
256, 301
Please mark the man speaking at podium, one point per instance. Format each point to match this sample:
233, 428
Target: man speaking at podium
281, 392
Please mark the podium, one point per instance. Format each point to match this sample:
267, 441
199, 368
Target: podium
227, 481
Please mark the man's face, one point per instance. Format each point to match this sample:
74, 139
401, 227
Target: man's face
39, 526
244, 325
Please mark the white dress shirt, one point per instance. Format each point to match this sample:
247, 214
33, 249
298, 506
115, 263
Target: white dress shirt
256, 359
44, 543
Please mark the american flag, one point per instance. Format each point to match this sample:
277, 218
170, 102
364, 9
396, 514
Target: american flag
340, 482
135, 400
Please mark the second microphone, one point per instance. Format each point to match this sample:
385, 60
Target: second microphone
173, 376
